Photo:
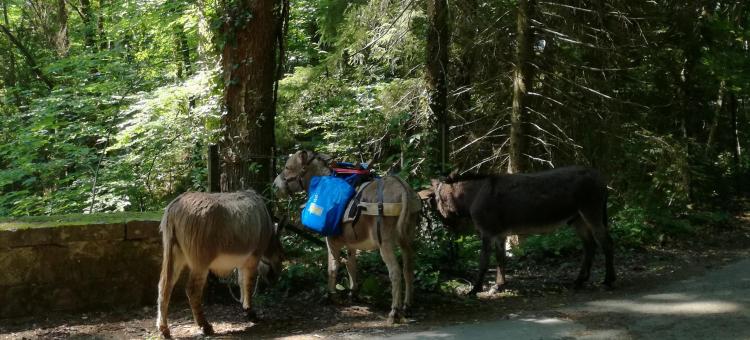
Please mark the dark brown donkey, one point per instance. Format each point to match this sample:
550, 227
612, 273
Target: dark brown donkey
502, 205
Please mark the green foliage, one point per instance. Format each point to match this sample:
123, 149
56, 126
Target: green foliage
631, 226
634, 90
302, 277
117, 132
563, 241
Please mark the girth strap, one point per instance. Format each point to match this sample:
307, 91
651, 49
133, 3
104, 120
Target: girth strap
379, 218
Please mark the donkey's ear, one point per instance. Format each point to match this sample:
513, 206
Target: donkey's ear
303, 156
453, 173
434, 182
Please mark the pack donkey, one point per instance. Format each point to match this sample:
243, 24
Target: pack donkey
216, 232
364, 233
502, 205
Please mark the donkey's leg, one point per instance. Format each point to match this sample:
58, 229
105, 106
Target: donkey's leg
407, 257
351, 269
247, 274
596, 220
334, 253
167, 280
394, 273
608, 248
194, 289
589, 250
484, 259
500, 270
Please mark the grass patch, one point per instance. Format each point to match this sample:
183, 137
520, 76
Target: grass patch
28, 222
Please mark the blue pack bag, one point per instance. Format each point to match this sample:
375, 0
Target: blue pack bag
328, 197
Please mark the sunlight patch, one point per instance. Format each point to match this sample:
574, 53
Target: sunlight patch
669, 297
695, 307
546, 321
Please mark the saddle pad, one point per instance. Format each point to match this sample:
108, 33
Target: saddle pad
389, 209
357, 207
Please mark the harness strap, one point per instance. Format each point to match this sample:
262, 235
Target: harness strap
356, 210
379, 218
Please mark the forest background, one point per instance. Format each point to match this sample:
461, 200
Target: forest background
110, 105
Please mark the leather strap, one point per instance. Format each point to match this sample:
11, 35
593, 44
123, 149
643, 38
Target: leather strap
379, 218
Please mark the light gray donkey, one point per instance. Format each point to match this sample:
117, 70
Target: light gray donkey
364, 234
216, 232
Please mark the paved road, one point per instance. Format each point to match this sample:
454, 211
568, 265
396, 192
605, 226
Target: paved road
713, 306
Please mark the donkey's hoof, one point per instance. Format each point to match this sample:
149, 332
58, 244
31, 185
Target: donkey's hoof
396, 316
164, 330
207, 329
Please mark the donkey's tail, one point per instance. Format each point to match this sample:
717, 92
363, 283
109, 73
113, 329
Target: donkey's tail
605, 216
168, 241
404, 231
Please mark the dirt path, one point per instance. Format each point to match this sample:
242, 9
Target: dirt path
715, 305
686, 280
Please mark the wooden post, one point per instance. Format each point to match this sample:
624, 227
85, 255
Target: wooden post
213, 168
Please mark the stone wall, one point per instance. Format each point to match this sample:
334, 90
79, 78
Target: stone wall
89, 267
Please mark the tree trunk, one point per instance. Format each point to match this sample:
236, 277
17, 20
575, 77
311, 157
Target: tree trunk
522, 82
10, 77
735, 149
183, 49
89, 31
103, 43
437, 64
29, 58
711, 140
249, 67
690, 24
62, 42
465, 38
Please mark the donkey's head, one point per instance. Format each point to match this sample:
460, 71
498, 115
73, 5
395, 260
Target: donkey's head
428, 196
298, 170
270, 262
439, 198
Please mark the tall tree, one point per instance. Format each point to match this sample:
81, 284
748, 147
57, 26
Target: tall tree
62, 42
183, 52
251, 32
30, 60
10, 77
89, 30
522, 82
103, 43
465, 35
437, 65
